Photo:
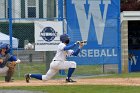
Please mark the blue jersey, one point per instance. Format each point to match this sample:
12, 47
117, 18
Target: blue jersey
7, 57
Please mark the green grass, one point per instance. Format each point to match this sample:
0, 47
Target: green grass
80, 89
81, 70
41, 68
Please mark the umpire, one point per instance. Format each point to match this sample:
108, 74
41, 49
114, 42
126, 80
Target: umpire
5, 62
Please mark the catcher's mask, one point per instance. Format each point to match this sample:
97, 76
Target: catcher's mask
65, 38
5, 46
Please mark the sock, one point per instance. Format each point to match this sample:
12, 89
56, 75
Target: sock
37, 76
70, 71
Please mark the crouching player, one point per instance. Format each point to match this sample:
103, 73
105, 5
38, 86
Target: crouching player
7, 62
59, 61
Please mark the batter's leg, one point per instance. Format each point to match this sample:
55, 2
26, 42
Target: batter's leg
49, 75
70, 72
70, 65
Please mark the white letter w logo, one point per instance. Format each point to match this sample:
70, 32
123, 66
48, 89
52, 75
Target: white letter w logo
93, 11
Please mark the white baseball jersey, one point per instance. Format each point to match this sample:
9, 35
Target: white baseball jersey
59, 62
61, 54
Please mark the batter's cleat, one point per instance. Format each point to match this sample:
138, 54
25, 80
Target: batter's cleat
69, 80
27, 77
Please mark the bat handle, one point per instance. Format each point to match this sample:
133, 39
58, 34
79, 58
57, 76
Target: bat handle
84, 41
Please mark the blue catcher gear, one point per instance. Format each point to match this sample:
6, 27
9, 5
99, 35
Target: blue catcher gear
0, 46
12, 58
5, 46
64, 38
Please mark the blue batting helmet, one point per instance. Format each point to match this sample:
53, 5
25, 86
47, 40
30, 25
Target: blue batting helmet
64, 38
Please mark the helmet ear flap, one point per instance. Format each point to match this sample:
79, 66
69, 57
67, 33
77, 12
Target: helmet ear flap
64, 38
67, 41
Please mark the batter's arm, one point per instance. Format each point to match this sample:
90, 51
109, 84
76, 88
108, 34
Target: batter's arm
69, 46
76, 52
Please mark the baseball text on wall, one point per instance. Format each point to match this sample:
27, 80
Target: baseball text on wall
97, 22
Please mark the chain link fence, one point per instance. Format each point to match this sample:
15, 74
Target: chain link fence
24, 13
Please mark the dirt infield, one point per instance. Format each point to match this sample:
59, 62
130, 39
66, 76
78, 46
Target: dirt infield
100, 81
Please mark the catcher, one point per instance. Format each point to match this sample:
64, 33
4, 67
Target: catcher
7, 62
59, 61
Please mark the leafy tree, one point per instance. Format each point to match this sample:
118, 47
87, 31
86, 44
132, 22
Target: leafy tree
130, 5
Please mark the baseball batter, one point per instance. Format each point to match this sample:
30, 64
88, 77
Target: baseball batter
59, 61
6, 62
